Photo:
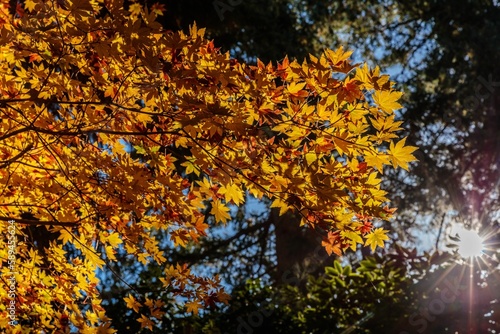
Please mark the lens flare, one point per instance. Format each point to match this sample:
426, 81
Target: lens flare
470, 245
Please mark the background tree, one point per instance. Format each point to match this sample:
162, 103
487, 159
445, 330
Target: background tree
401, 292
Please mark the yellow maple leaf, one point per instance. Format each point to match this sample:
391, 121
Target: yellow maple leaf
294, 87
191, 167
143, 258
93, 256
377, 160
135, 9
181, 142
143, 118
401, 155
146, 322
179, 237
91, 317
65, 236
114, 239
148, 302
376, 238
232, 193
363, 75
193, 307
205, 186
110, 91
110, 253
30, 5
311, 157
386, 100
220, 211
354, 237
338, 55
132, 303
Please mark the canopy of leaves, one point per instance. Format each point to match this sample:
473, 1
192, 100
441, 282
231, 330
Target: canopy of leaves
443, 52
114, 130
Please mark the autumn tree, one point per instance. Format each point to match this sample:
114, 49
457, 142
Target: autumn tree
115, 130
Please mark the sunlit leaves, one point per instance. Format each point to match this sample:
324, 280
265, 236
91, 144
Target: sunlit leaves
193, 307
377, 160
146, 322
92, 256
30, 5
352, 238
332, 244
338, 56
113, 239
232, 193
220, 211
180, 237
279, 203
400, 155
296, 88
387, 100
376, 238
191, 167
132, 303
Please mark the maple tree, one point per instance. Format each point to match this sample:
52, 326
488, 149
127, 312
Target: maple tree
114, 129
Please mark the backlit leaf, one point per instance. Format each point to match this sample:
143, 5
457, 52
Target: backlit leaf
376, 238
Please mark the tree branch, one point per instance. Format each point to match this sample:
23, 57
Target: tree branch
20, 154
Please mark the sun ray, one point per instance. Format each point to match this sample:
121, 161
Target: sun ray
471, 295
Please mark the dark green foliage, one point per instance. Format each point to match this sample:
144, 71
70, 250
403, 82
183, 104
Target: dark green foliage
396, 293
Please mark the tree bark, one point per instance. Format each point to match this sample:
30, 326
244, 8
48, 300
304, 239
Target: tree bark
298, 250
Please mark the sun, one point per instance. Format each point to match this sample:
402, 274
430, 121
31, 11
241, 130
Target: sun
470, 244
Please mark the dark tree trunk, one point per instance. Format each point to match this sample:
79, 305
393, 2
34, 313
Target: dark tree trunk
298, 250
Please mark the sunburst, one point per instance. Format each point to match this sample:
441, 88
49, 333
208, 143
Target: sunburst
470, 244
